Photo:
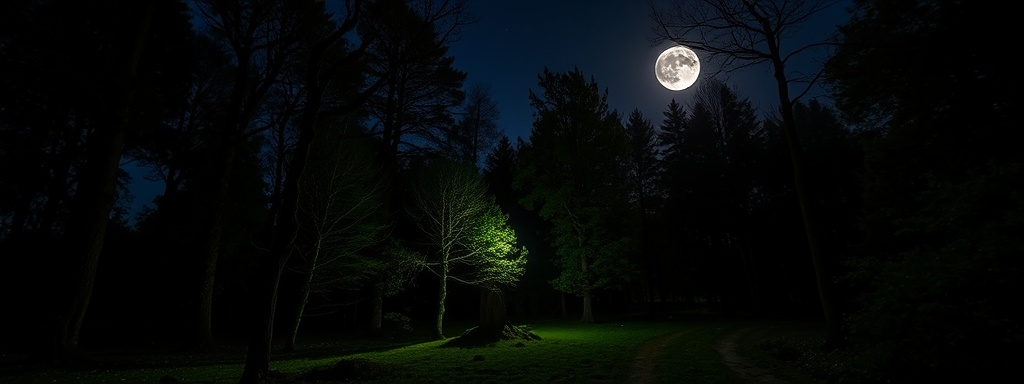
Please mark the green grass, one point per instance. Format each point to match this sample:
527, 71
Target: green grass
690, 358
568, 352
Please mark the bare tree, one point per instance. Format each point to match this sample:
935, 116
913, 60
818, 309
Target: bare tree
260, 35
325, 59
337, 205
744, 33
96, 190
465, 225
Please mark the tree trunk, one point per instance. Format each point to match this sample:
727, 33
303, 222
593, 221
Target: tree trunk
307, 286
442, 293
377, 317
87, 227
807, 210
561, 298
301, 307
493, 314
588, 313
94, 198
257, 359
211, 250
229, 135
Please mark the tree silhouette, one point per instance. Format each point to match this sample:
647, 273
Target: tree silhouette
942, 189
421, 89
477, 129
643, 171
258, 35
744, 33
574, 172
86, 86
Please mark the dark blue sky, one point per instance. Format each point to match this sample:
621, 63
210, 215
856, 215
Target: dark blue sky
513, 41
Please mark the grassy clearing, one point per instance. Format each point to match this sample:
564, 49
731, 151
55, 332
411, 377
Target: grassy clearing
568, 352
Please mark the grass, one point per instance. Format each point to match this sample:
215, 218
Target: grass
568, 352
689, 358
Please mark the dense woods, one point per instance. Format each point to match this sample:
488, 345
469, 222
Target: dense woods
327, 169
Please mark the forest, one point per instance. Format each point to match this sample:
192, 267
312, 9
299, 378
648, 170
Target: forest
330, 169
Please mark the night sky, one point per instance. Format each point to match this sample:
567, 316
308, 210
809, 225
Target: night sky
512, 42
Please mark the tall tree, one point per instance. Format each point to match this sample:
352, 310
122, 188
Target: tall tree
743, 33
500, 170
259, 35
325, 59
422, 87
573, 169
339, 216
943, 211
420, 93
643, 175
476, 131
94, 196
171, 150
86, 85
466, 227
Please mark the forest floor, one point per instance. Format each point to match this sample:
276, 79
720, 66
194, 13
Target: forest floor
643, 370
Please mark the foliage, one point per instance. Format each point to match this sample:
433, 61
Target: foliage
711, 190
398, 321
422, 87
465, 226
573, 172
476, 131
942, 194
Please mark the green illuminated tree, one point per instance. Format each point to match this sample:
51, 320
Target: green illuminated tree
472, 242
574, 170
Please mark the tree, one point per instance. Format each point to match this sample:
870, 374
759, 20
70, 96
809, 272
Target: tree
477, 130
643, 175
942, 190
744, 33
500, 169
339, 218
573, 169
716, 184
259, 35
85, 86
325, 59
421, 88
467, 229
171, 150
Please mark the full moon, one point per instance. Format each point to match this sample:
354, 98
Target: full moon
677, 68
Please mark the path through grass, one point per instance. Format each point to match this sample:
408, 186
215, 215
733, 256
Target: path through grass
568, 352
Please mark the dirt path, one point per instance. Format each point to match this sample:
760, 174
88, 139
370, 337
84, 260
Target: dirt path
643, 363
743, 367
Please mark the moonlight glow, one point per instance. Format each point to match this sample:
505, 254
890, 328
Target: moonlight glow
677, 68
